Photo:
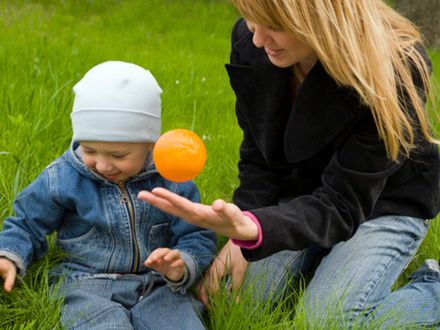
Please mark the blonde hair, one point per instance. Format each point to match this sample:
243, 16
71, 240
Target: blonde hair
364, 45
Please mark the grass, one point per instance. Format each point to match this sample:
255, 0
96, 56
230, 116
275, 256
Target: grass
47, 45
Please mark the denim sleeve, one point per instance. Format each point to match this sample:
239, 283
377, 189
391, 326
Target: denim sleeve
37, 214
196, 245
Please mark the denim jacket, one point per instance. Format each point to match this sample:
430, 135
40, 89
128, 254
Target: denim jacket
101, 225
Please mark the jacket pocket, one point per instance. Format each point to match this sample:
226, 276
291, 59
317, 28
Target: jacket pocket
159, 236
84, 236
92, 249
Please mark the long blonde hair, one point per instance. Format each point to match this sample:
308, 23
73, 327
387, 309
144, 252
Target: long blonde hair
366, 45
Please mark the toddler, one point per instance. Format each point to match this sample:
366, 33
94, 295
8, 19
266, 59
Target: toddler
129, 264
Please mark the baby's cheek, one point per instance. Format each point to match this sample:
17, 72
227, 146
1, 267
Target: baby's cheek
132, 169
88, 162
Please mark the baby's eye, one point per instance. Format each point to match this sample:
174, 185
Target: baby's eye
88, 151
118, 156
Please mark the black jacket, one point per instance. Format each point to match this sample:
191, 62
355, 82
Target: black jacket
314, 170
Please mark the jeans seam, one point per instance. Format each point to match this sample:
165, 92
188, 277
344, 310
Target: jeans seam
94, 314
144, 325
288, 269
374, 283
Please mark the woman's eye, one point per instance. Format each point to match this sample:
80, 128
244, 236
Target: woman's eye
274, 29
250, 26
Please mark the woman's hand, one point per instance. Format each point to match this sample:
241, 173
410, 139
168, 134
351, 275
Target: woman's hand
230, 262
221, 217
8, 271
167, 262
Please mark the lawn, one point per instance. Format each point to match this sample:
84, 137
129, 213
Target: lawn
46, 46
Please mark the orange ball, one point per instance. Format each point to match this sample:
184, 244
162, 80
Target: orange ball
179, 155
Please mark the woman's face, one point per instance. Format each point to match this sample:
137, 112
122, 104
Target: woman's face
282, 48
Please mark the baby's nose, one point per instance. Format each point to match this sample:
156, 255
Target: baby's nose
103, 166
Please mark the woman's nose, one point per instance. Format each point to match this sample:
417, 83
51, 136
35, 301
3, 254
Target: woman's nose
260, 36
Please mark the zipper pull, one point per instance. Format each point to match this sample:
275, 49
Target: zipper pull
124, 198
124, 195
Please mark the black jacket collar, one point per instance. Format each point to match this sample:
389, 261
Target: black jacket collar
321, 112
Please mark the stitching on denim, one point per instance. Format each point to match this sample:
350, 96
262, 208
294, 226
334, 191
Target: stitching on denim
373, 284
287, 268
93, 315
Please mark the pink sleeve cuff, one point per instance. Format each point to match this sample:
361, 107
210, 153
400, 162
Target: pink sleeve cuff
253, 244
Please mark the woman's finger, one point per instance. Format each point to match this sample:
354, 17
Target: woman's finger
176, 205
218, 205
159, 202
202, 293
237, 274
213, 275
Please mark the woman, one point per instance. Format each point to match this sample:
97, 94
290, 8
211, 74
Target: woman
337, 164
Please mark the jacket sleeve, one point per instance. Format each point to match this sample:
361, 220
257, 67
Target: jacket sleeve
23, 237
351, 184
197, 245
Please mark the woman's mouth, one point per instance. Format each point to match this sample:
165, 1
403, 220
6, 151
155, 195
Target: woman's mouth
273, 52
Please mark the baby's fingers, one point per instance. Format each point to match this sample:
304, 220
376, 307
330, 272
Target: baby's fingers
172, 256
9, 278
8, 272
156, 255
177, 263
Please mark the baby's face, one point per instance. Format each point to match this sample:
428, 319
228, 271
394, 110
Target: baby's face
115, 161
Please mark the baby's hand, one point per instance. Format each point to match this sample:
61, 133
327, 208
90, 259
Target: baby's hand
167, 262
8, 271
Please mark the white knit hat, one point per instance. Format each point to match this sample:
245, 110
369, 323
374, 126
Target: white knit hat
117, 102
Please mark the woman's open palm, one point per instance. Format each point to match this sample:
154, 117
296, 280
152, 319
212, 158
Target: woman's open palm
221, 217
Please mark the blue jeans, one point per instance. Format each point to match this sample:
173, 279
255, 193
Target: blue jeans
354, 281
127, 302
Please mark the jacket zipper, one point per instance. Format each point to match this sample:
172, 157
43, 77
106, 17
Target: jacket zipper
125, 198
